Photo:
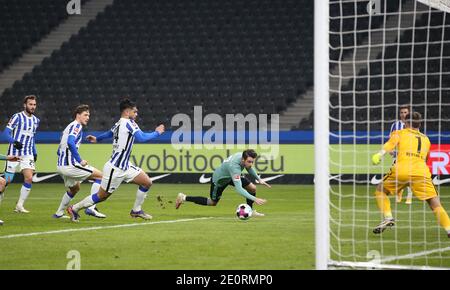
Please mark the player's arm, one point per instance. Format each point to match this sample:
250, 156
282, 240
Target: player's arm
73, 148
145, 137
255, 175
104, 136
12, 124
236, 178
387, 147
9, 158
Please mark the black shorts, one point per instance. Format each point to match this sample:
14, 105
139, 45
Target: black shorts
216, 191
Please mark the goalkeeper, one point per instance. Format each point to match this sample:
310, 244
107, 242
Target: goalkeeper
411, 170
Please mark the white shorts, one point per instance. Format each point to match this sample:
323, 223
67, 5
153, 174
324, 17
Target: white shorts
113, 176
72, 175
26, 162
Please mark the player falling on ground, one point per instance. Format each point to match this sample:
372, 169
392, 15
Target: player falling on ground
118, 168
2, 180
229, 173
410, 169
72, 168
399, 125
20, 132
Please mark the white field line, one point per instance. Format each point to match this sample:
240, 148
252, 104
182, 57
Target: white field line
100, 228
415, 255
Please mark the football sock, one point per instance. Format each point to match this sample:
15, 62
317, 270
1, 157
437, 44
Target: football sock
141, 194
197, 199
24, 192
67, 197
442, 217
383, 204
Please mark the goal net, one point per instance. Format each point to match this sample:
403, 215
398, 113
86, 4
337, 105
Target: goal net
384, 54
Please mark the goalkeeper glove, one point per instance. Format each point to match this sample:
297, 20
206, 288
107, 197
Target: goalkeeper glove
18, 145
376, 158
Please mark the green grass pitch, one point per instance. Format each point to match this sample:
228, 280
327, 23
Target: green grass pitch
193, 237
197, 237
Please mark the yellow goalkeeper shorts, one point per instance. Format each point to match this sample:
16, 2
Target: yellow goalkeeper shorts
422, 187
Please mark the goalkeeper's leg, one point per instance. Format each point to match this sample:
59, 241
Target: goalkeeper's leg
409, 196
441, 214
384, 205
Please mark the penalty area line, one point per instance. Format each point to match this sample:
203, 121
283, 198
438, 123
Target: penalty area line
101, 228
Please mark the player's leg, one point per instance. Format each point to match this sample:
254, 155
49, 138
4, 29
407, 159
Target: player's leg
96, 177
24, 190
215, 195
10, 170
112, 178
424, 189
144, 182
2, 188
74, 188
385, 188
409, 196
440, 213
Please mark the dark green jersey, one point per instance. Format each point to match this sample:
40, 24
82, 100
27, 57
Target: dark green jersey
230, 170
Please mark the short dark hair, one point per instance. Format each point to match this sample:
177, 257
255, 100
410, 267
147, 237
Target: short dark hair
80, 109
126, 104
29, 97
408, 107
414, 119
249, 153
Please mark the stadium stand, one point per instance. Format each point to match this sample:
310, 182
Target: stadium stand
232, 56
371, 88
23, 23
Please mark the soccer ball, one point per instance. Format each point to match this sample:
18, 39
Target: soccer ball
244, 211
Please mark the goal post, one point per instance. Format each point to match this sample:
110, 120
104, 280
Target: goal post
321, 133
371, 58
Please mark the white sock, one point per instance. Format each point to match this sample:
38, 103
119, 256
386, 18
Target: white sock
410, 194
64, 203
141, 194
87, 202
2, 196
24, 192
94, 189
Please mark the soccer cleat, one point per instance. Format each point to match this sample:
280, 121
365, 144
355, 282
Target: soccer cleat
20, 209
74, 216
1, 223
95, 213
387, 223
257, 214
180, 199
141, 214
60, 216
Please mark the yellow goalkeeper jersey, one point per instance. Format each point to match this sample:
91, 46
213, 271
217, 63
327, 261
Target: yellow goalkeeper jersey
412, 151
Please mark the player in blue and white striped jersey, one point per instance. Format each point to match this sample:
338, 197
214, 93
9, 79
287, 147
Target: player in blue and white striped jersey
399, 125
72, 168
119, 168
20, 131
